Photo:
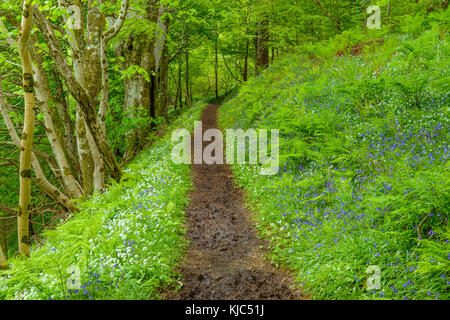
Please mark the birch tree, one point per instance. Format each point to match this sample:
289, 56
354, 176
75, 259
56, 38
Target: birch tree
23, 211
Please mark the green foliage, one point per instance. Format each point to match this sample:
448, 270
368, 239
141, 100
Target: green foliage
126, 242
364, 173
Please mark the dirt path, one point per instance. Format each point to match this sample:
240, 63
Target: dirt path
224, 260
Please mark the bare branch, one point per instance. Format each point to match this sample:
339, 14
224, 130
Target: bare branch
111, 33
7, 209
325, 11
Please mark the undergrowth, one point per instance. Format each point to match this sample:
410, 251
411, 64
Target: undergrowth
123, 244
364, 176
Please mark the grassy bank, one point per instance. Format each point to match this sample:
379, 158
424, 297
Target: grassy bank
364, 176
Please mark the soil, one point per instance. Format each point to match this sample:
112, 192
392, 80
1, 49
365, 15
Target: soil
225, 260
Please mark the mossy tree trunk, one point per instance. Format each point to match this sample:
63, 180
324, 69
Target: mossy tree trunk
262, 46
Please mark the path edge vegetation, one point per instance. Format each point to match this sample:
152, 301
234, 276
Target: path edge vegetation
420, 273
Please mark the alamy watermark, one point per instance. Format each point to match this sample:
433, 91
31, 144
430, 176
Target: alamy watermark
74, 19
237, 141
374, 18
74, 279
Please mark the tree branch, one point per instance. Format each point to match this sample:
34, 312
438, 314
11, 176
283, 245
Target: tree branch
226, 65
325, 11
177, 53
87, 105
112, 32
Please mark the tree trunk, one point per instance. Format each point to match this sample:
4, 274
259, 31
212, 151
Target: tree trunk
133, 50
99, 166
329, 15
3, 249
180, 84
262, 55
245, 73
105, 85
2, 257
365, 14
164, 84
179, 89
153, 15
84, 153
23, 213
69, 140
92, 57
216, 68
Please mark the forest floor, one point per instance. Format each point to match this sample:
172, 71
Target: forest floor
226, 259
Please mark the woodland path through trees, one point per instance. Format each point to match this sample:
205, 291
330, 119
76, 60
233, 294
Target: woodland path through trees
224, 260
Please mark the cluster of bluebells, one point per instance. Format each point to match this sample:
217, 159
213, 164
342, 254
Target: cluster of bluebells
338, 210
138, 241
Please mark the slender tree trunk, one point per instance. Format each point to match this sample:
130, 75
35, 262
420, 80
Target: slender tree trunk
216, 68
42, 98
188, 97
132, 51
2, 257
329, 15
164, 83
4, 247
262, 48
84, 153
152, 12
65, 122
23, 213
105, 85
49, 189
162, 64
180, 84
99, 166
245, 73
190, 92
177, 98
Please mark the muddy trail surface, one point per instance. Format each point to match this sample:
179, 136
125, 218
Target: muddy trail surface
224, 260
